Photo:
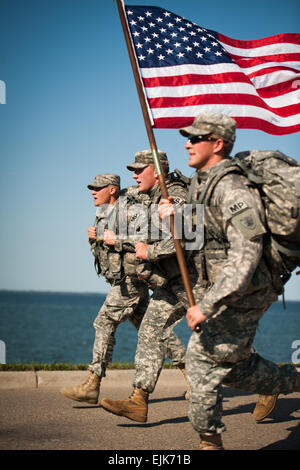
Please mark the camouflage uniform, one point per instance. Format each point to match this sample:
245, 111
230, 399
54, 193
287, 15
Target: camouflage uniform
168, 302
240, 291
128, 297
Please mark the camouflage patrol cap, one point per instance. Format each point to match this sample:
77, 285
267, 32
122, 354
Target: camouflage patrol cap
145, 158
211, 123
101, 181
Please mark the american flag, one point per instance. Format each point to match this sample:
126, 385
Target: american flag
187, 70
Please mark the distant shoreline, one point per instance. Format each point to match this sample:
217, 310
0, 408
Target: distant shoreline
54, 292
32, 291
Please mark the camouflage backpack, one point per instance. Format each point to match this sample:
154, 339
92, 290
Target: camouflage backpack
277, 177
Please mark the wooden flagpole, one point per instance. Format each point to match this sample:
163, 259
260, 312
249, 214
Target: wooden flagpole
158, 167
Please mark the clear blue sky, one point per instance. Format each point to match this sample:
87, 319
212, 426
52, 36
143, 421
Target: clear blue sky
72, 112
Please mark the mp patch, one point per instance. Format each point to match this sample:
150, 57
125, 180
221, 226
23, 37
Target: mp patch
237, 207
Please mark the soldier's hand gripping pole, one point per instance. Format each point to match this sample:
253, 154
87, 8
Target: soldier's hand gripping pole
158, 168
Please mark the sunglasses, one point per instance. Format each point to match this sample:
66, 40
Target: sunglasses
194, 139
97, 189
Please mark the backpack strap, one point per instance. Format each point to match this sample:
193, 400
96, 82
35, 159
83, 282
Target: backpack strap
192, 187
284, 250
230, 167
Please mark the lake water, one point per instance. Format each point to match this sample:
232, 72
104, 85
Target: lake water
47, 327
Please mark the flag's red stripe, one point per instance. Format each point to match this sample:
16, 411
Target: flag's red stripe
256, 123
293, 38
242, 123
278, 89
267, 70
268, 91
245, 61
195, 79
225, 98
173, 122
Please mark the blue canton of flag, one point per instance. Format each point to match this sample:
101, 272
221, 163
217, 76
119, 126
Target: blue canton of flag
162, 38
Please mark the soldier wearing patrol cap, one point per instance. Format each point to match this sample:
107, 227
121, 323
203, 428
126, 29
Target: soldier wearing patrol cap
167, 303
240, 285
128, 297
144, 158
104, 180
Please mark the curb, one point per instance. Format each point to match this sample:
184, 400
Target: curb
41, 379
10, 380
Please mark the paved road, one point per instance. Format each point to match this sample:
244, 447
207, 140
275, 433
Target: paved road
34, 416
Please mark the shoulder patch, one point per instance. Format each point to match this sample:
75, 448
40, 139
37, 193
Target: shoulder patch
237, 207
248, 224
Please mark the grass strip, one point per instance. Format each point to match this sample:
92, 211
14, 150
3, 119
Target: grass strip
66, 366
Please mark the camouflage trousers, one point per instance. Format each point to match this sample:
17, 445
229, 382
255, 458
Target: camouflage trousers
128, 300
223, 354
166, 309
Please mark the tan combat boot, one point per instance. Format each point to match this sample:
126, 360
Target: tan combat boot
188, 389
135, 407
88, 391
211, 442
264, 407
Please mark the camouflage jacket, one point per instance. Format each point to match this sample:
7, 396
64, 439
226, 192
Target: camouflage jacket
161, 265
233, 246
115, 262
